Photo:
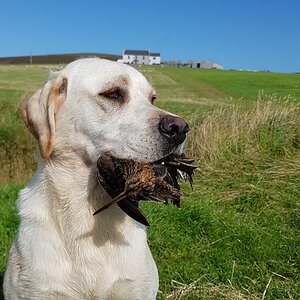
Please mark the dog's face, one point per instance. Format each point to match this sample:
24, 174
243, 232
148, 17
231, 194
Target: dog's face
94, 106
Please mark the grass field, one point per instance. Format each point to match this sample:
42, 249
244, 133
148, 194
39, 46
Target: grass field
237, 235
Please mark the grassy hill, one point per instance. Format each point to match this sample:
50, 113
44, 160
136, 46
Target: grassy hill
219, 85
54, 58
237, 235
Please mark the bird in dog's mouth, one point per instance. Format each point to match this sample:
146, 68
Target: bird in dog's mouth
127, 181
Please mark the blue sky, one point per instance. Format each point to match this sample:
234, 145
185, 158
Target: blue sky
240, 34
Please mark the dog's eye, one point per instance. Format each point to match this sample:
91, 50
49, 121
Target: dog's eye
113, 94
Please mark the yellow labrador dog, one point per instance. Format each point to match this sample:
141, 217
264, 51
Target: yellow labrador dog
61, 250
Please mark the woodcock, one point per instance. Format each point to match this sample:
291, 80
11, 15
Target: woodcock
128, 181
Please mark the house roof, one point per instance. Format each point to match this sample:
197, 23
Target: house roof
137, 52
155, 54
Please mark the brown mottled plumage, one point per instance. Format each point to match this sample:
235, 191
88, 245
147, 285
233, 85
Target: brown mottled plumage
128, 181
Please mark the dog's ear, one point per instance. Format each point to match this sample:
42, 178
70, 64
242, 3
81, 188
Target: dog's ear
40, 110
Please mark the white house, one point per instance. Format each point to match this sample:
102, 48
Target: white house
154, 59
140, 57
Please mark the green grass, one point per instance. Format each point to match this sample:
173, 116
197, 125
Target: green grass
9, 220
214, 84
16, 145
8, 223
237, 234
225, 243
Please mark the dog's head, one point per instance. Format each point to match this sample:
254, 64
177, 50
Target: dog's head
93, 106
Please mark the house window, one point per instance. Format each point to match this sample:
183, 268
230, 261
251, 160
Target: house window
154, 57
143, 57
128, 56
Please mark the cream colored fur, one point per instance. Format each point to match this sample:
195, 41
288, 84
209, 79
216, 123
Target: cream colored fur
61, 250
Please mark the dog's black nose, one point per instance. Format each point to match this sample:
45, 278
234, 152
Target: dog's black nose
174, 128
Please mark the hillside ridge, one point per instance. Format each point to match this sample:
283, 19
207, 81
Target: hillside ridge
54, 58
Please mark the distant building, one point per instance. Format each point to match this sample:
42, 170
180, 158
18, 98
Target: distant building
205, 64
154, 59
196, 64
140, 57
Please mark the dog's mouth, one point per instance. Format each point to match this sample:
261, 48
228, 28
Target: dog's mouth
127, 181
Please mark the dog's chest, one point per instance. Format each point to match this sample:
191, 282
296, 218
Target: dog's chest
118, 271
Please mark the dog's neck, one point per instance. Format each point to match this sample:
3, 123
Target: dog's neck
74, 194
